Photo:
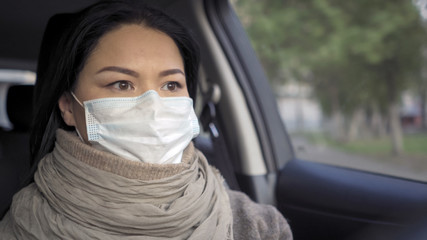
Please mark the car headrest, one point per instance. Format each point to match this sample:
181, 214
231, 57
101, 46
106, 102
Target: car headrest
20, 106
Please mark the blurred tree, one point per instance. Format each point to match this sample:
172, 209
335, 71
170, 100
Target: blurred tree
356, 54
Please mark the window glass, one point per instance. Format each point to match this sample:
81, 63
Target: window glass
350, 78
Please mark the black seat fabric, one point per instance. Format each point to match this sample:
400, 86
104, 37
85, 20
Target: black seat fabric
19, 106
14, 144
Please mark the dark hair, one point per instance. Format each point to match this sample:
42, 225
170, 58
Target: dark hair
68, 41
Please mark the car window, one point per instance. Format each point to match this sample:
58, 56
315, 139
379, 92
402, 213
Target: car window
350, 79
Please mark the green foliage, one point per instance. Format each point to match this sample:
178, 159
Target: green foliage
354, 53
416, 144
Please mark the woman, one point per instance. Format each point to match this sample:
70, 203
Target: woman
111, 143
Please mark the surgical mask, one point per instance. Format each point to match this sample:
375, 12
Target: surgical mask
148, 128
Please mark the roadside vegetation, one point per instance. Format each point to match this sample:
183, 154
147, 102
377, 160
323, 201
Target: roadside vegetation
414, 144
359, 57
379, 149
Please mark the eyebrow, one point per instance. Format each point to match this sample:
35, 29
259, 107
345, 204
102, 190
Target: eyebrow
119, 70
171, 72
135, 74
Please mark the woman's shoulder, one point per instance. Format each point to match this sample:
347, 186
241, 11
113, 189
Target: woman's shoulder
256, 221
20, 207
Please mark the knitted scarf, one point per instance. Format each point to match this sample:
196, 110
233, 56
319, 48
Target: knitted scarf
83, 193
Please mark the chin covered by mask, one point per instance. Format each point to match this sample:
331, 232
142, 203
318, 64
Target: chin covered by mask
147, 128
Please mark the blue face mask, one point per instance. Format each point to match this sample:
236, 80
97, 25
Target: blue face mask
148, 128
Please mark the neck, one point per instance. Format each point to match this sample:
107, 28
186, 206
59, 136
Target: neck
114, 164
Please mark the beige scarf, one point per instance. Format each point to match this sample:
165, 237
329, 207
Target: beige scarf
83, 193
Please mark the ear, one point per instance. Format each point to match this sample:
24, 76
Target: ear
65, 104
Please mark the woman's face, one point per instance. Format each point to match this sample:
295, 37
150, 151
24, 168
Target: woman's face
127, 62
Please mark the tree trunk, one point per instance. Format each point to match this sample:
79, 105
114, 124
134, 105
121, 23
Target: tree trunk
423, 100
356, 126
395, 129
299, 112
378, 124
423, 90
391, 71
336, 123
337, 126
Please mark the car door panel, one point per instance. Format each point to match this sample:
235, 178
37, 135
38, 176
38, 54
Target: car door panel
333, 203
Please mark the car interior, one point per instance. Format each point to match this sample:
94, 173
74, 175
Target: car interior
243, 135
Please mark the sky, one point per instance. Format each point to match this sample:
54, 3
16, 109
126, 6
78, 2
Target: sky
422, 5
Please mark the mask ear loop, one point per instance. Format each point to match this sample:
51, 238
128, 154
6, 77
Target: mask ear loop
77, 100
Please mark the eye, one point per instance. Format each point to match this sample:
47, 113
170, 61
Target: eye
171, 86
122, 85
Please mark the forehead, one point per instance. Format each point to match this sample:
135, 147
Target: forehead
133, 42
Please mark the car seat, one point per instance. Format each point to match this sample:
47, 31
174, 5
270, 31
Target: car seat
14, 143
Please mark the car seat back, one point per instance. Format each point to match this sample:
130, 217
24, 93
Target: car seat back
14, 143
